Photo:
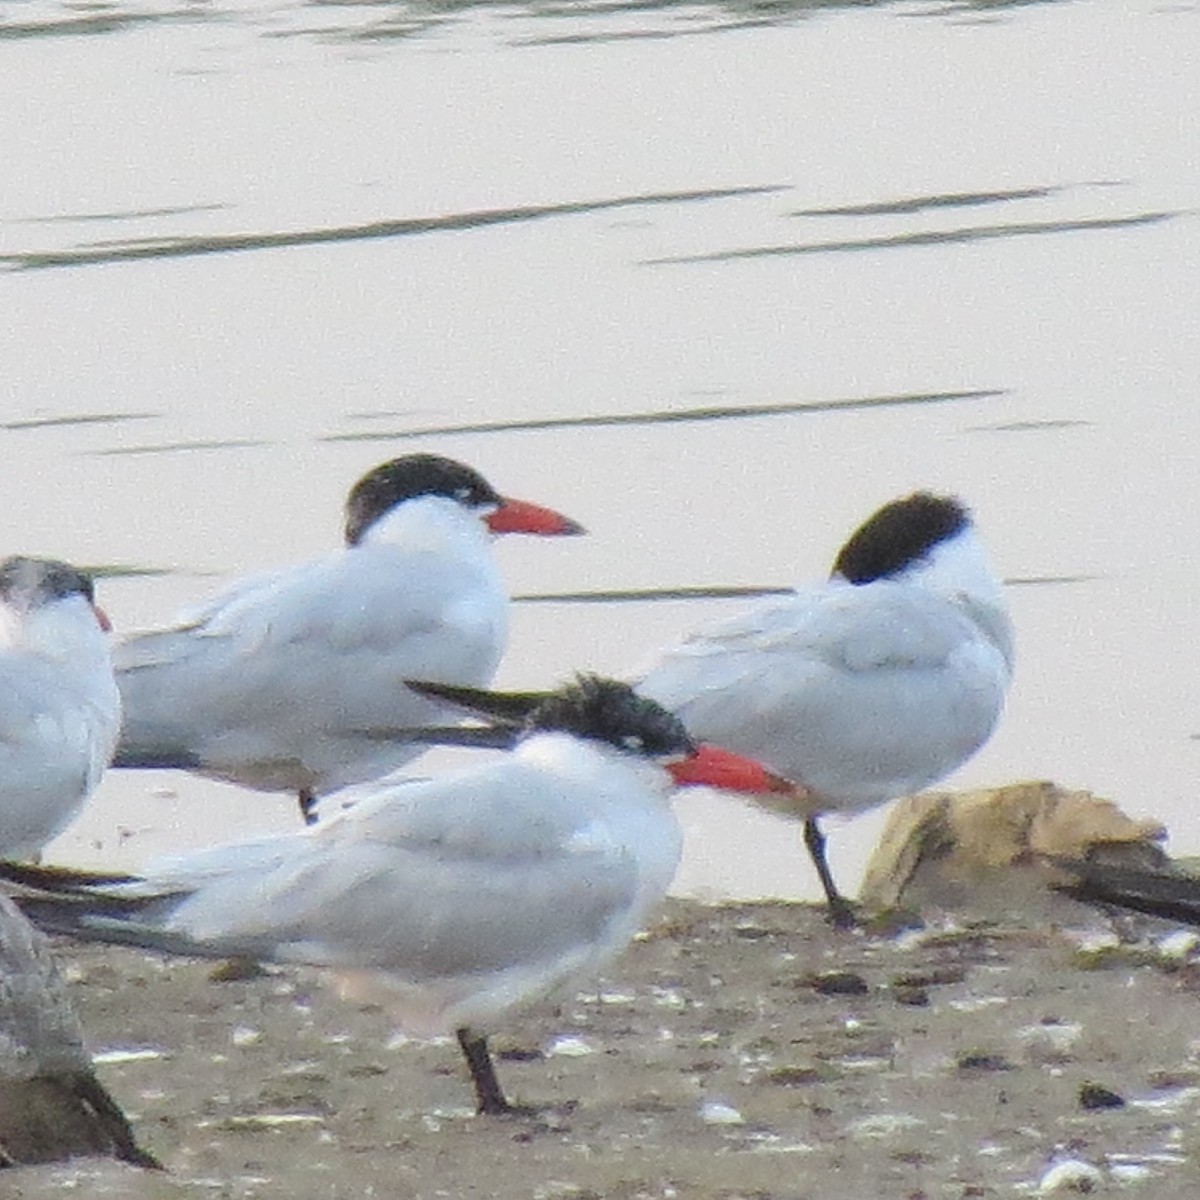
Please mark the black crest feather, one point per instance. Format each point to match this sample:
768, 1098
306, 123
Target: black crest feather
590, 706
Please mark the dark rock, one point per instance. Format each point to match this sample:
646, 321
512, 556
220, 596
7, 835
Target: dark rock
1093, 1096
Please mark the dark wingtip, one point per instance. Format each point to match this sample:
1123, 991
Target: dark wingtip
513, 707
143, 758
1167, 894
500, 736
58, 879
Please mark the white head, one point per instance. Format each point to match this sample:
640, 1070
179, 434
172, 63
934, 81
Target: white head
48, 607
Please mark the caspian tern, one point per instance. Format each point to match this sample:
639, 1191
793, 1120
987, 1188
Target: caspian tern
449, 901
870, 686
264, 685
59, 707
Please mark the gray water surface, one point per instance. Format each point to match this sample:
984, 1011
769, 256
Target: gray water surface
716, 280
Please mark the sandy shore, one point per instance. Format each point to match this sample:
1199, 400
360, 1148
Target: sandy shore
714, 1061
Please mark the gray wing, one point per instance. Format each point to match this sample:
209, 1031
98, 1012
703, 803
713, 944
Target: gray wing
861, 693
288, 667
425, 882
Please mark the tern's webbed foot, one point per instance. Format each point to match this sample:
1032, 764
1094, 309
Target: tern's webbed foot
842, 913
514, 1112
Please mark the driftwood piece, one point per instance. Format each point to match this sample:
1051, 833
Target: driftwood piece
991, 852
52, 1106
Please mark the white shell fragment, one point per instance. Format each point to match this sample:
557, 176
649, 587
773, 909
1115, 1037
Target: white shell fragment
1179, 944
568, 1046
111, 1057
717, 1112
882, 1125
1071, 1176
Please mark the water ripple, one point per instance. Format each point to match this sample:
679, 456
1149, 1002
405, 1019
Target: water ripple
186, 247
383, 21
932, 237
913, 204
179, 447
668, 416
125, 571
651, 595
133, 214
93, 23
644, 595
80, 419
1032, 426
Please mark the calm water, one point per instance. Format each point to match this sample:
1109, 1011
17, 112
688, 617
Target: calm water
716, 280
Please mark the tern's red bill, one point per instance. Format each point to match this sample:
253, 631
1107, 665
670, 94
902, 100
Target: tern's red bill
719, 768
519, 516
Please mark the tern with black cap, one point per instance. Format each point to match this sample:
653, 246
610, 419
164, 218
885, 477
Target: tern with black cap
264, 685
870, 686
450, 901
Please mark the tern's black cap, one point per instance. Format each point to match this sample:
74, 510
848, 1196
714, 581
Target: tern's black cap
606, 710
404, 478
38, 580
898, 535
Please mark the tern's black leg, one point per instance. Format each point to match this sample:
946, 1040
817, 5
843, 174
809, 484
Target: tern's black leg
491, 1100
308, 806
841, 911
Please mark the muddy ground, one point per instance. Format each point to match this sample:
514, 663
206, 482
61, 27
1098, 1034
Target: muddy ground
715, 1060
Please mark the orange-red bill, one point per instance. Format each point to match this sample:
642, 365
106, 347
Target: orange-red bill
519, 516
102, 618
723, 769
